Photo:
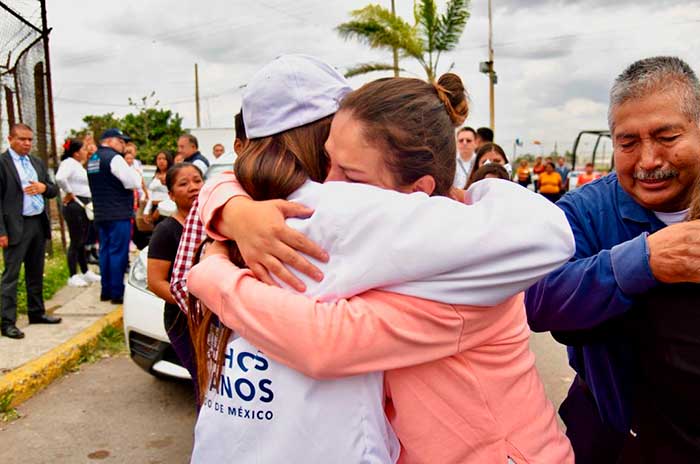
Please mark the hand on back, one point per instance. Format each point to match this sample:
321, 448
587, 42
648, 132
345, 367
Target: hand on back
265, 241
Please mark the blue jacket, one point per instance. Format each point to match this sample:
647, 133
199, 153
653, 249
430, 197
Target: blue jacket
111, 200
609, 270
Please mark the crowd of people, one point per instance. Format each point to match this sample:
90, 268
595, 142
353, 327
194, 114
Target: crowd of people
478, 157
105, 204
355, 291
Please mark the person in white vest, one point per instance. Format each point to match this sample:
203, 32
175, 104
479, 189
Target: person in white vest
257, 409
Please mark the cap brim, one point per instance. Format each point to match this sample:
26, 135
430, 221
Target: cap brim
125, 138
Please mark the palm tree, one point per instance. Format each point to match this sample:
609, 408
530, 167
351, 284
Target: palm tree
425, 40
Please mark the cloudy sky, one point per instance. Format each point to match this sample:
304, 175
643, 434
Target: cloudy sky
555, 59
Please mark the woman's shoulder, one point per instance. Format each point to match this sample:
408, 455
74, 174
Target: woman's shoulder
168, 226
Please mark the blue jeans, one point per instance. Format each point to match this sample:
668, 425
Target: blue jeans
114, 256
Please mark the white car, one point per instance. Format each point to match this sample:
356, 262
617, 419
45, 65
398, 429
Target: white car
146, 338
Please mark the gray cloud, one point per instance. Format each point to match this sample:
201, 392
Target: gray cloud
511, 6
548, 55
553, 47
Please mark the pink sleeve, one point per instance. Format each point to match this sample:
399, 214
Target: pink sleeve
214, 196
375, 331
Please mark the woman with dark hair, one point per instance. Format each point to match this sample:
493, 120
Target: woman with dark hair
183, 182
157, 188
488, 153
551, 183
440, 390
491, 171
71, 177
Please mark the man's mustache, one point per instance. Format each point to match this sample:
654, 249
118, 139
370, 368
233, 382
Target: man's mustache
656, 174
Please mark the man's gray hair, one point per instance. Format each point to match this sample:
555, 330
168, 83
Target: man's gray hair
659, 73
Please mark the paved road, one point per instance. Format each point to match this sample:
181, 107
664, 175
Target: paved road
113, 412
110, 412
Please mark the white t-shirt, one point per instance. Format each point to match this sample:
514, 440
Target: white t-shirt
462, 172
433, 248
158, 190
72, 177
672, 218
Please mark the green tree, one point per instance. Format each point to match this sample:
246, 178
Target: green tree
95, 125
425, 41
152, 129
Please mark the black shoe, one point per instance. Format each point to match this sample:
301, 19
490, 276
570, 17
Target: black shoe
11, 331
105, 298
118, 300
44, 319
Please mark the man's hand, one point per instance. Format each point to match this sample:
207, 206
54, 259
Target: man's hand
4, 242
266, 243
35, 188
674, 253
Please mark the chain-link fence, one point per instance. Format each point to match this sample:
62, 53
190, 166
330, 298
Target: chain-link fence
25, 82
24, 93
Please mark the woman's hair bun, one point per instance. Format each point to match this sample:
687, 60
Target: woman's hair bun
453, 95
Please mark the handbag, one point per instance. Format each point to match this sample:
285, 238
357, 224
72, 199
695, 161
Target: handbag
89, 209
141, 223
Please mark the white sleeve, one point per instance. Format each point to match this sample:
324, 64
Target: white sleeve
128, 176
436, 248
62, 176
201, 165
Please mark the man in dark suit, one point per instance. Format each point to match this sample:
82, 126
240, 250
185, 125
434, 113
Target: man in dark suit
24, 228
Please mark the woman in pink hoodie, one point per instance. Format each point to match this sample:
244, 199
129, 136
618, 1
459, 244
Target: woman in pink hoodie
460, 379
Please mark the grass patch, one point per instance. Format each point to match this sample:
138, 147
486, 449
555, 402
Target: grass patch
110, 342
55, 277
7, 412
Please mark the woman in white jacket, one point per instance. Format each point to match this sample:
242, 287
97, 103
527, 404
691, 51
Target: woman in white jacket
71, 177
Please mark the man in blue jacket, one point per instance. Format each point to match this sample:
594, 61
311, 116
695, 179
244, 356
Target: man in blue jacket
630, 239
112, 183
188, 147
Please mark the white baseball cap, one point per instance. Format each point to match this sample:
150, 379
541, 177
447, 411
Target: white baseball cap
291, 91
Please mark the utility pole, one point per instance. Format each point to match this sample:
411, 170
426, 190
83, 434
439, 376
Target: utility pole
492, 75
486, 67
395, 51
196, 92
52, 125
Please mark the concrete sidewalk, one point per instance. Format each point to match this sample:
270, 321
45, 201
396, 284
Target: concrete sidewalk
30, 364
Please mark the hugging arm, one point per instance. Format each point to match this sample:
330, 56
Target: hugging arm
594, 286
480, 253
374, 331
265, 242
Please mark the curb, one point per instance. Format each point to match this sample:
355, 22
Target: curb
23, 382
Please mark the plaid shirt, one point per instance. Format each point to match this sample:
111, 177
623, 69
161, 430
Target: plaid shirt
192, 236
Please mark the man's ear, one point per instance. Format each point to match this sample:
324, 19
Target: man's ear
425, 184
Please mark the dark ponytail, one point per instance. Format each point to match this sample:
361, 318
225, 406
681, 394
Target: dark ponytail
70, 148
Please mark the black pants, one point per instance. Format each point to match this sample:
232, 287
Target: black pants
78, 225
29, 251
594, 441
553, 197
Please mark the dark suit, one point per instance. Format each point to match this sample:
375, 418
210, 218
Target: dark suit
27, 238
